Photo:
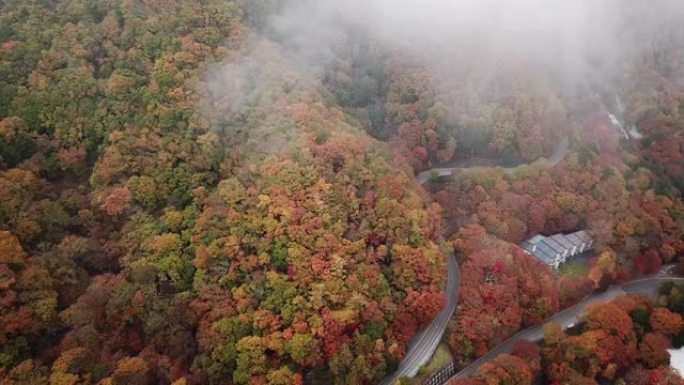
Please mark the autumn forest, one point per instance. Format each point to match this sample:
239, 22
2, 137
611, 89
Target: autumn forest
227, 192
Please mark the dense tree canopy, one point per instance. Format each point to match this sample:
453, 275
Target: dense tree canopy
186, 198
615, 344
156, 228
503, 289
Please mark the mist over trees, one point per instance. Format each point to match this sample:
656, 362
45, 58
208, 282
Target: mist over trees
223, 192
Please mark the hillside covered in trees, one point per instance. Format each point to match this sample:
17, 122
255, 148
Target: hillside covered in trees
224, 192
625, 341
153, 231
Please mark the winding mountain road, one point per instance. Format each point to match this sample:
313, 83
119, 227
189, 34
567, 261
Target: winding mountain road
425, 342
570, 316
423, 345
559, 154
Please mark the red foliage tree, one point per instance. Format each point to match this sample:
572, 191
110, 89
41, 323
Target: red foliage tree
117, 201
505, 369
666, 322
648, 262
611, 319
531, 353
420, 153
653, 350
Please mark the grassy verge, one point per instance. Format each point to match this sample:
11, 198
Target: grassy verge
440, 359
575, 269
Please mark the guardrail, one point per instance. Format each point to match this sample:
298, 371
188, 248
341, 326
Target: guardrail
442, 376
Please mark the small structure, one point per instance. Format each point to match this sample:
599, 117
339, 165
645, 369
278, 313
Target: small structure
556, 249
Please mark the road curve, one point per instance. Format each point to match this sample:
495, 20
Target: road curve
570, 316
559, 154
425, 342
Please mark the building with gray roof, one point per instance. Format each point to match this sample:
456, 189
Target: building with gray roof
554, 250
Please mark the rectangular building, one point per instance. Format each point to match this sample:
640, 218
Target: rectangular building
556, 249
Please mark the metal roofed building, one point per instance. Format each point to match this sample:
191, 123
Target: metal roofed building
556, 249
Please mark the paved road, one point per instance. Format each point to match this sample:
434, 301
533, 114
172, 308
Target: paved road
558, 155
570, 316
425, 342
